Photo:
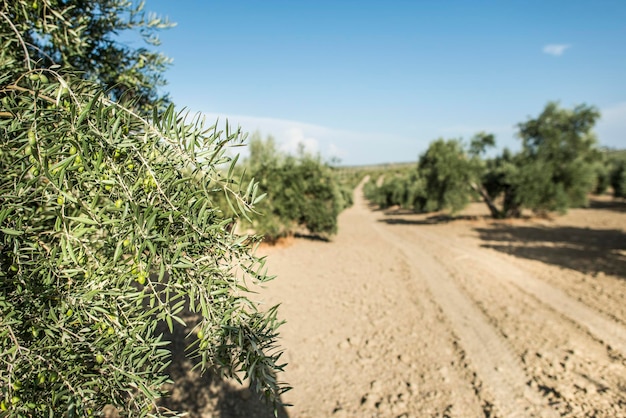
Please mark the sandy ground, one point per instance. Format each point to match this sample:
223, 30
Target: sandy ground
405, 315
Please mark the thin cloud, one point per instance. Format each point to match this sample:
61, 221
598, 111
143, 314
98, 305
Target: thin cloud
556, 49
351, 147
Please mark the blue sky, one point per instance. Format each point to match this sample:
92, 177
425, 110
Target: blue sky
376, 81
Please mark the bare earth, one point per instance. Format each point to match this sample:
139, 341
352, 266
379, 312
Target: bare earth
406, 315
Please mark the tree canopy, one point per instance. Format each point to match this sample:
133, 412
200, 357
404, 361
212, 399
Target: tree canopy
110, 227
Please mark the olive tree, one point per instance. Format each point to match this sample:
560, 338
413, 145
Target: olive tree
556, 164
554, 170
108, 228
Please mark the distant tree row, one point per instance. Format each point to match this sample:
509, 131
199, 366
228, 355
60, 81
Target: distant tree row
558, 166
302, 193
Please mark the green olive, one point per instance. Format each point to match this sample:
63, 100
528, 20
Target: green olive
34, 77
61, 200
69, 313
73, 150
200, 334
99, 359
118, 203
141, 279
32, 139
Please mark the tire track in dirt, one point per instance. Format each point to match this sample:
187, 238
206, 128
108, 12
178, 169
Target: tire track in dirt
495, 365
360, 343
569, 365
607, 330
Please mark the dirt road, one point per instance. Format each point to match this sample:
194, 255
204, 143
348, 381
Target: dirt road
406, 315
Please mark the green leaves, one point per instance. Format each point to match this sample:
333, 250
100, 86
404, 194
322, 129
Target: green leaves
292, 192
108, 228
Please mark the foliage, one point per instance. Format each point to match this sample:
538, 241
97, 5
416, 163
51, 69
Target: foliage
302, 192
556, 169
103, 237
403, 189
499, 183
557, 158
448, 172
84, 36
618, 179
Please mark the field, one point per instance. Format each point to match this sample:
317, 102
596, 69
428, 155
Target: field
405, 315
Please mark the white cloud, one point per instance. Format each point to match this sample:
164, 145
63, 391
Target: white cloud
350, 146
555, 49
295, 138
611, 128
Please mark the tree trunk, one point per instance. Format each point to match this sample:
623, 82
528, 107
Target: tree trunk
495, 212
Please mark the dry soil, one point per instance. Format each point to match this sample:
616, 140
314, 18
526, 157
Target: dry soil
404, 315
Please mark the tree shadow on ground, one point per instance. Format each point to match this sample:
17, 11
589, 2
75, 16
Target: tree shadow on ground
311, 237
617, 205
393, 218
207, 395
589, 251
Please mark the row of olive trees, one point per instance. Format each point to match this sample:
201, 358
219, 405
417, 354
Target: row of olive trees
302, 192
110, 224
555, 169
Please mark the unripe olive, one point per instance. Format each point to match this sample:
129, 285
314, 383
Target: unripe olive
141, 279
200, 334
69, 313
34, 77
61, 200
99, 359
43, 79
118, 203
32, 139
